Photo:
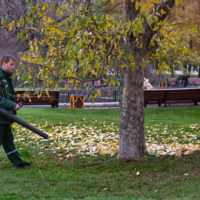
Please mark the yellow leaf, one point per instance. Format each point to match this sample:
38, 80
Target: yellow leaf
43, 7
44, 18
10, 26
183, 29
53, 30
36, 49
177, 2
182, 3
137, 5
112, 1
156, 28
162, 12
18, 24
124, 90
195, 29
49, 20
47, 92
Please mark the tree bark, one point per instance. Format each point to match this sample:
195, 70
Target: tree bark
131, 129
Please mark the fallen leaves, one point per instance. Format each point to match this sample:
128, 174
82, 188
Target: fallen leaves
73, 139
165, 140
102, 138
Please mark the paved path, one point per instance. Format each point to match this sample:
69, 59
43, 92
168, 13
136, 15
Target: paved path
97, 105
87, 105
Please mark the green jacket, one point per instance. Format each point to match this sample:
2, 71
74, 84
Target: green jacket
9, 102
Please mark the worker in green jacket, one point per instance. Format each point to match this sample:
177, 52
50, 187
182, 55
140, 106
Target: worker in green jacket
8, 101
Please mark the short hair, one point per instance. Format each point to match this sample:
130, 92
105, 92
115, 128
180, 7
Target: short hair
179, 77
6, 59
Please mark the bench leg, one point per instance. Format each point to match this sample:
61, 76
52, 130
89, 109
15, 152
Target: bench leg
54, 105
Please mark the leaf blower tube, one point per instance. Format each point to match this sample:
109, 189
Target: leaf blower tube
13, 118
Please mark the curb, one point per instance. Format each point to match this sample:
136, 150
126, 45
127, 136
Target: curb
93, 105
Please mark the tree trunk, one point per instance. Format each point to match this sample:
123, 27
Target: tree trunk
172, 72
131, 129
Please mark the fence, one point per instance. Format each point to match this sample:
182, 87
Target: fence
107, 95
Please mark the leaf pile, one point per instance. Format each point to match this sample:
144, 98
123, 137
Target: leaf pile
102, 138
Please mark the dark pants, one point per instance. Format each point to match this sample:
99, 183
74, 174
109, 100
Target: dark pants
7, 141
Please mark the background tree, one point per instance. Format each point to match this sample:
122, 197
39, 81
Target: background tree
87, 44
176, 52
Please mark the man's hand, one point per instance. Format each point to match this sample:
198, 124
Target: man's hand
17, 107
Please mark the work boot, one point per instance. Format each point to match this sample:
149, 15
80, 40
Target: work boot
24, 164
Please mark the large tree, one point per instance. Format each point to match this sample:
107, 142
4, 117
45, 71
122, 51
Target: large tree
131, 132
90, 42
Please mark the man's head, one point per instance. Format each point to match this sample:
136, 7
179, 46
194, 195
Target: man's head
8, 63
179, 77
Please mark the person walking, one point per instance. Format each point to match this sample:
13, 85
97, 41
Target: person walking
8, 101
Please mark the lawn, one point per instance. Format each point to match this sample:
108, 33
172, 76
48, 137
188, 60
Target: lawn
80, 161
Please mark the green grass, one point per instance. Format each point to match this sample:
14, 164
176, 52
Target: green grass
183, 115
56, 176
69, 115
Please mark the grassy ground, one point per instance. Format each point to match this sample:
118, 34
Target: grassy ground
65, 167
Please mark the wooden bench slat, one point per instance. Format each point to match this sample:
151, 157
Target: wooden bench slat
192, 81
52, 99
165, 96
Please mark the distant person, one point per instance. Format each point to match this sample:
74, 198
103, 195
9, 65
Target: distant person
147, 85
183, 80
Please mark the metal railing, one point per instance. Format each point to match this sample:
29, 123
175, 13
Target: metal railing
107, 95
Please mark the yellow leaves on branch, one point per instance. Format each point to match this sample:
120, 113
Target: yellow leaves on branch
84, 39
47, 20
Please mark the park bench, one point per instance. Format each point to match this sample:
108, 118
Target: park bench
30, 97
172, 96
171, 82
194, 81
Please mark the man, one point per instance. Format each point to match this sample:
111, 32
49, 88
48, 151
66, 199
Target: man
183, 80
8, 101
